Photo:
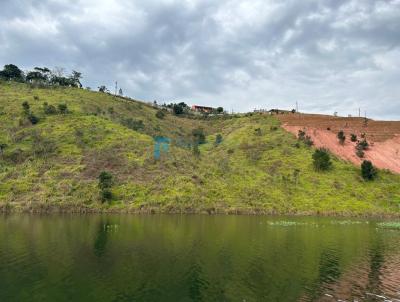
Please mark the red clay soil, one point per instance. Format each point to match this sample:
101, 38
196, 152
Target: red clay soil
383, 137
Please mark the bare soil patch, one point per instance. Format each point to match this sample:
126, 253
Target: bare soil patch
383, 137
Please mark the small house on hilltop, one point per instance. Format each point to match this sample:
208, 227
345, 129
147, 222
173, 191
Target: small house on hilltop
203, 109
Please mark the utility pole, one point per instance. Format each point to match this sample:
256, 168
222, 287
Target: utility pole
359, 112
116, 87
297, 107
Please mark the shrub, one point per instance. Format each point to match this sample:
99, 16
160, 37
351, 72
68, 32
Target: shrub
33, 119
105, 184
353, 137
36, 98
308, 141
63, 108
110, 110
321, 160
25, 107
362, 145
368, 171
198, 136
133, 124
257, 131
3, 146
341, 137
301, 135
105, 180
106, 195
49, 109
160, 114
218, 139
360, 153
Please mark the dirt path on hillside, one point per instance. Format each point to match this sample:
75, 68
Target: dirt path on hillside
384, 155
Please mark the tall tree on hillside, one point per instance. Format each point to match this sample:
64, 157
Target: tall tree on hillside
75, 78
12, 72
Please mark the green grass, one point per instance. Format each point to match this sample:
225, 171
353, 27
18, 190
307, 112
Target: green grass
55, 164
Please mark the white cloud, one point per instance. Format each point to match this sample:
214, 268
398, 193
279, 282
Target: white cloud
327, 55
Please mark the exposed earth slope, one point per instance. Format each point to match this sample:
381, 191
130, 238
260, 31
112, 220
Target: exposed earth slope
383, 137
258, 167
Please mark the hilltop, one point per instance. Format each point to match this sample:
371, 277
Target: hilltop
244, 164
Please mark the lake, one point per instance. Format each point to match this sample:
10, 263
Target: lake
196, 258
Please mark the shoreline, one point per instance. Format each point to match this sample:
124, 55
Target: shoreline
78, 209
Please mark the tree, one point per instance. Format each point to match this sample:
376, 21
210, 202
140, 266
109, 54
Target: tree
220, 110
321, 160
75, 78
368, 171
105, 180
103, 88
121, 93
11, 72
105, 184
353, 137
341, 137
35, 76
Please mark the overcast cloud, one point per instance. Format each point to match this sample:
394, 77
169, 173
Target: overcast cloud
327, 55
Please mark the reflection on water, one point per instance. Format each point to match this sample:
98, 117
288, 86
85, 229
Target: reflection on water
196, 258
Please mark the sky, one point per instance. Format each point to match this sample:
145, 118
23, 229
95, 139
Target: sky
328, 56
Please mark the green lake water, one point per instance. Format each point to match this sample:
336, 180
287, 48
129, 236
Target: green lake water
196, 258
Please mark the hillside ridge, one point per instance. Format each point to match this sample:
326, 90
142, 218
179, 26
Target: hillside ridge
221, 164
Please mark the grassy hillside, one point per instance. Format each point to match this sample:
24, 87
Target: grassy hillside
55, 163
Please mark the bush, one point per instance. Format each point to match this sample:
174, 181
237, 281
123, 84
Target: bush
305, 138
321, 160
368, 171
360, 153
25, 107
353, 137
106, 195
49, 109
362, 145
33, 119
308, 141
3, 146
341, 137
301, 135
218, 139
63, 108
160, 114
198, 136
105, 180
133, 124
